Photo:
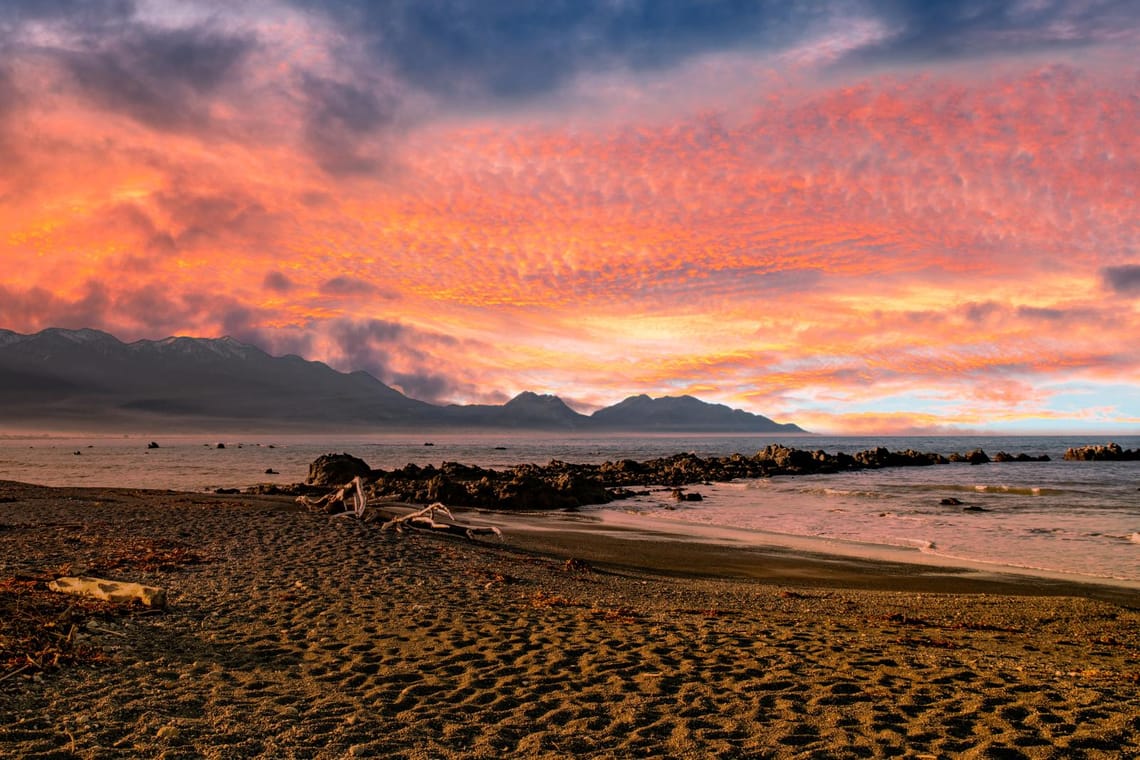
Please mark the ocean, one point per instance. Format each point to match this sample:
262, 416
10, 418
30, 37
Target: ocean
1073, 518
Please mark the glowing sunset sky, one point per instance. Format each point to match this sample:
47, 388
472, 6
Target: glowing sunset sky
880, 216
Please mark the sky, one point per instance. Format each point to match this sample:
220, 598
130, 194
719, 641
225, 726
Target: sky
879, 216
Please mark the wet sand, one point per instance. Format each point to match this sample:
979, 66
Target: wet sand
300, 635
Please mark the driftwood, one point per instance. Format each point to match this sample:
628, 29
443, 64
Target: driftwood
336, 502
110, 591
425, 518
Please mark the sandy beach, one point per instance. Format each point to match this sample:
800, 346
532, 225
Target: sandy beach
291, 634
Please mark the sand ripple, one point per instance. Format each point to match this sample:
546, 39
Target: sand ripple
306, 637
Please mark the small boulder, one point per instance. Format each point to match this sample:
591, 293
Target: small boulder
169, 733
336, 470
977, 456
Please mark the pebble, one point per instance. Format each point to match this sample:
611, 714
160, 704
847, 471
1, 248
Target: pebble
169, 733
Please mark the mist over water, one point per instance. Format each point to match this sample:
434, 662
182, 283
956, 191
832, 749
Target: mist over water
1072, 517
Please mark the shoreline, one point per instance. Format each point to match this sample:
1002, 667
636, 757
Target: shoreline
643, 543
297, 634
640, 543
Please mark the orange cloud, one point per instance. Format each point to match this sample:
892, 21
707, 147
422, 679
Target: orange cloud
926, 235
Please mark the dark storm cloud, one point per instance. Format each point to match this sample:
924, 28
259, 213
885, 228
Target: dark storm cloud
198, 219
1043, 314
376, 346
357, 337
948, 29
519, 48
8, 99
8, 92
425, 386
149, 309
85, 15
366, 344
340, 117
40, 308
278, 282
980, 312
161, 77
346, 286
1124, 280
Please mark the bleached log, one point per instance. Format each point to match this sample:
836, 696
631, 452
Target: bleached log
110, 591
424, 518
340, 496
359, 500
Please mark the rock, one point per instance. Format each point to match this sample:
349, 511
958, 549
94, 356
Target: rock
152, 445
336, 470
220, 446
573, 565
562, 485
169, 733
1002, 456
271, 471
290, 489
784, 458
951, 502
443, 489
1110, 452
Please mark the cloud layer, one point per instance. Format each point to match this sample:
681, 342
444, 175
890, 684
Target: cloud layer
860, 216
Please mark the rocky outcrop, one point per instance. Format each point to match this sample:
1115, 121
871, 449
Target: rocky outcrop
977, 456
1110, 452
336, 470
561, 485
1002, 456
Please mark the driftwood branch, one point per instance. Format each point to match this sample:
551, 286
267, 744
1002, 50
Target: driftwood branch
337, 502
424, 518
350, 500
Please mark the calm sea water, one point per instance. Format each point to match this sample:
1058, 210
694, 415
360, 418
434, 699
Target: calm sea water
1078, 518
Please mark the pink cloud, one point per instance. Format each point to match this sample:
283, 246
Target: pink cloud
927, 232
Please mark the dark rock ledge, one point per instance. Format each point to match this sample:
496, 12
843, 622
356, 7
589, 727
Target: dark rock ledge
561, 485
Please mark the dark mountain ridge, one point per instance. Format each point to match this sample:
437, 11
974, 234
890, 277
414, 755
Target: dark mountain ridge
87, 379
680, 414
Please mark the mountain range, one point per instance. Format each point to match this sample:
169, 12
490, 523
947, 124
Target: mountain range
86, 380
